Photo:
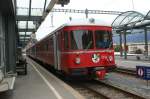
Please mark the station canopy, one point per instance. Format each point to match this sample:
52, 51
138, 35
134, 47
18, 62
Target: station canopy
127, 19
28, 17
131, 20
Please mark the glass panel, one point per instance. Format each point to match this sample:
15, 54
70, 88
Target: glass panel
22, 24
137, 18
23, 3
46, 47
36, 11
103, 39
24, 35
66, 42
121, 18
21, 37
28, 33
27, 37
21, 33
129, 18
31, 25
37, 3
22, 11
81, 39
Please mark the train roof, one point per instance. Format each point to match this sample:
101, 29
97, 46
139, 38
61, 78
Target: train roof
90, 22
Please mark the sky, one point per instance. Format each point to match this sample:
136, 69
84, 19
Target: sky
108, 5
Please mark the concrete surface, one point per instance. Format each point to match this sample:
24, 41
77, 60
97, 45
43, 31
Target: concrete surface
131, 84
33, 86
131, 62
30, 86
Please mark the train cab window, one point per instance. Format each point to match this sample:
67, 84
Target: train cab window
81, 39
103, 39
66, 41
37, 49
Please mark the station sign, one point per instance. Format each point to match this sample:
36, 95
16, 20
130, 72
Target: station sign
143, 72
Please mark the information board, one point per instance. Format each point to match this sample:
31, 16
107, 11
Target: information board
143, 72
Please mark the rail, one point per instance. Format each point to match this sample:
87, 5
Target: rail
98, 89
126, 71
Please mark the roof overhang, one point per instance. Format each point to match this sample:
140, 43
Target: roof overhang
131, 20
10, 8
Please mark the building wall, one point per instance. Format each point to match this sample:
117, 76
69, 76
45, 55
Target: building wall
140, 46
2, 44
7, 44
11, 43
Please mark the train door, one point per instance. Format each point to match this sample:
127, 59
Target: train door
56, 52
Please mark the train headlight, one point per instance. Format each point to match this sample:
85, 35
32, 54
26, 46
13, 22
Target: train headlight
77, 60
110, 58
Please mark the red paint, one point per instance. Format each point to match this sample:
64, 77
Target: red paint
101, 74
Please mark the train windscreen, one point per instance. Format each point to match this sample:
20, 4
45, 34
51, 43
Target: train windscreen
103, 39
81, 39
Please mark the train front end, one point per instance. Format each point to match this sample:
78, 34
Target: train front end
90, 51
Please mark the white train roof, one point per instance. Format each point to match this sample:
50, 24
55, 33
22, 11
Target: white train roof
87, 22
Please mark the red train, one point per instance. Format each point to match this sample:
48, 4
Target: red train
77, 48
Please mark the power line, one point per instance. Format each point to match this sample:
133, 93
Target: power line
79, 11
86, 11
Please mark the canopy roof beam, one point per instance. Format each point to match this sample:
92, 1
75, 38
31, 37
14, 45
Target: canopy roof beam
26, 18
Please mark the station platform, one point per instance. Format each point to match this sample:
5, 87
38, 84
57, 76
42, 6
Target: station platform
40, 84
130, 84
130, 63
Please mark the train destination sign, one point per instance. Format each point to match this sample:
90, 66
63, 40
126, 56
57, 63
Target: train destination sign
143, 72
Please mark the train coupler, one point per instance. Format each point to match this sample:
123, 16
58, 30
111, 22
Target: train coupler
101, 74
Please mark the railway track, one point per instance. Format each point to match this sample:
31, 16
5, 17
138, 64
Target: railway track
126, 71
98, 90
122, 93
88, 93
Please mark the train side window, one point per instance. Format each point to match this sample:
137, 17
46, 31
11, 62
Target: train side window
66, 40
46, 47
37, 49
59, 40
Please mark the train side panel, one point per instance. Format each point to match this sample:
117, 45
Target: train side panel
49, 50
44, 51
